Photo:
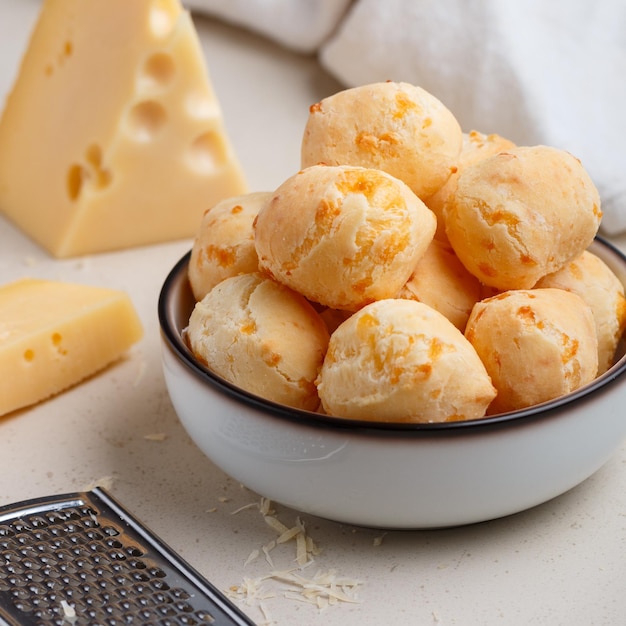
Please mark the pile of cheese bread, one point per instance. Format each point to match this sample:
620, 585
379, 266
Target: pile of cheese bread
408, 271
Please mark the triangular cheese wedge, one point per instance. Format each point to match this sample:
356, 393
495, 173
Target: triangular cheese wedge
112, 136
55, 334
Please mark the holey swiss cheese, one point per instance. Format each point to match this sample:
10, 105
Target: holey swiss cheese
112, 135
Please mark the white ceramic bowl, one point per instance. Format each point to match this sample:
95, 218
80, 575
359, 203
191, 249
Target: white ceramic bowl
386, 475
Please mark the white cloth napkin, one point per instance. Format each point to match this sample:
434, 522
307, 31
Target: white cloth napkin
534, 71
298, 24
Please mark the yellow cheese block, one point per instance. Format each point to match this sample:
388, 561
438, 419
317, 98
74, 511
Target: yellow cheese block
112, 136
55, 334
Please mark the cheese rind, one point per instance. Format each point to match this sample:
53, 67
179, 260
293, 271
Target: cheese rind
55, 334
112, 135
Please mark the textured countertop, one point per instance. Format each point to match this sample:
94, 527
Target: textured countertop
561, 563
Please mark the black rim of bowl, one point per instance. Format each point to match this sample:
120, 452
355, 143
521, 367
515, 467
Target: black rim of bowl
173, 338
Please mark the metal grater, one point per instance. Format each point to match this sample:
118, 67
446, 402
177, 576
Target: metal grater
81, 559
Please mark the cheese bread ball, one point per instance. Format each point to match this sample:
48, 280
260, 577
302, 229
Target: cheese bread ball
261, 336
402, 361
441, 281
224, 244
343, 236
396, 127
476, 146
522, 214
536, 344
593, 280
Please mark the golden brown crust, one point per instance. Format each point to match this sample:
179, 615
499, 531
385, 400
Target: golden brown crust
224, 243
536, 344
396, 127
400, 360
519, 215
261, 336
476, 146
590, 278
441, 281
343, 236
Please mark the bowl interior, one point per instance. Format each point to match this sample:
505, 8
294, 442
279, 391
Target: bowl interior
176, 302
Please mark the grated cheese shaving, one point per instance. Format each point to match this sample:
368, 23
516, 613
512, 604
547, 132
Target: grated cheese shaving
264, 507
69, 613
267, 548
325, 585
288, 535
252, 505
156, 437
302, 555
311, 547
379, 540
266, 616
274, 523
253, 556
323, 590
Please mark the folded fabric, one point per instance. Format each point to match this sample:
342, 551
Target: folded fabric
533, 71
301, 25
